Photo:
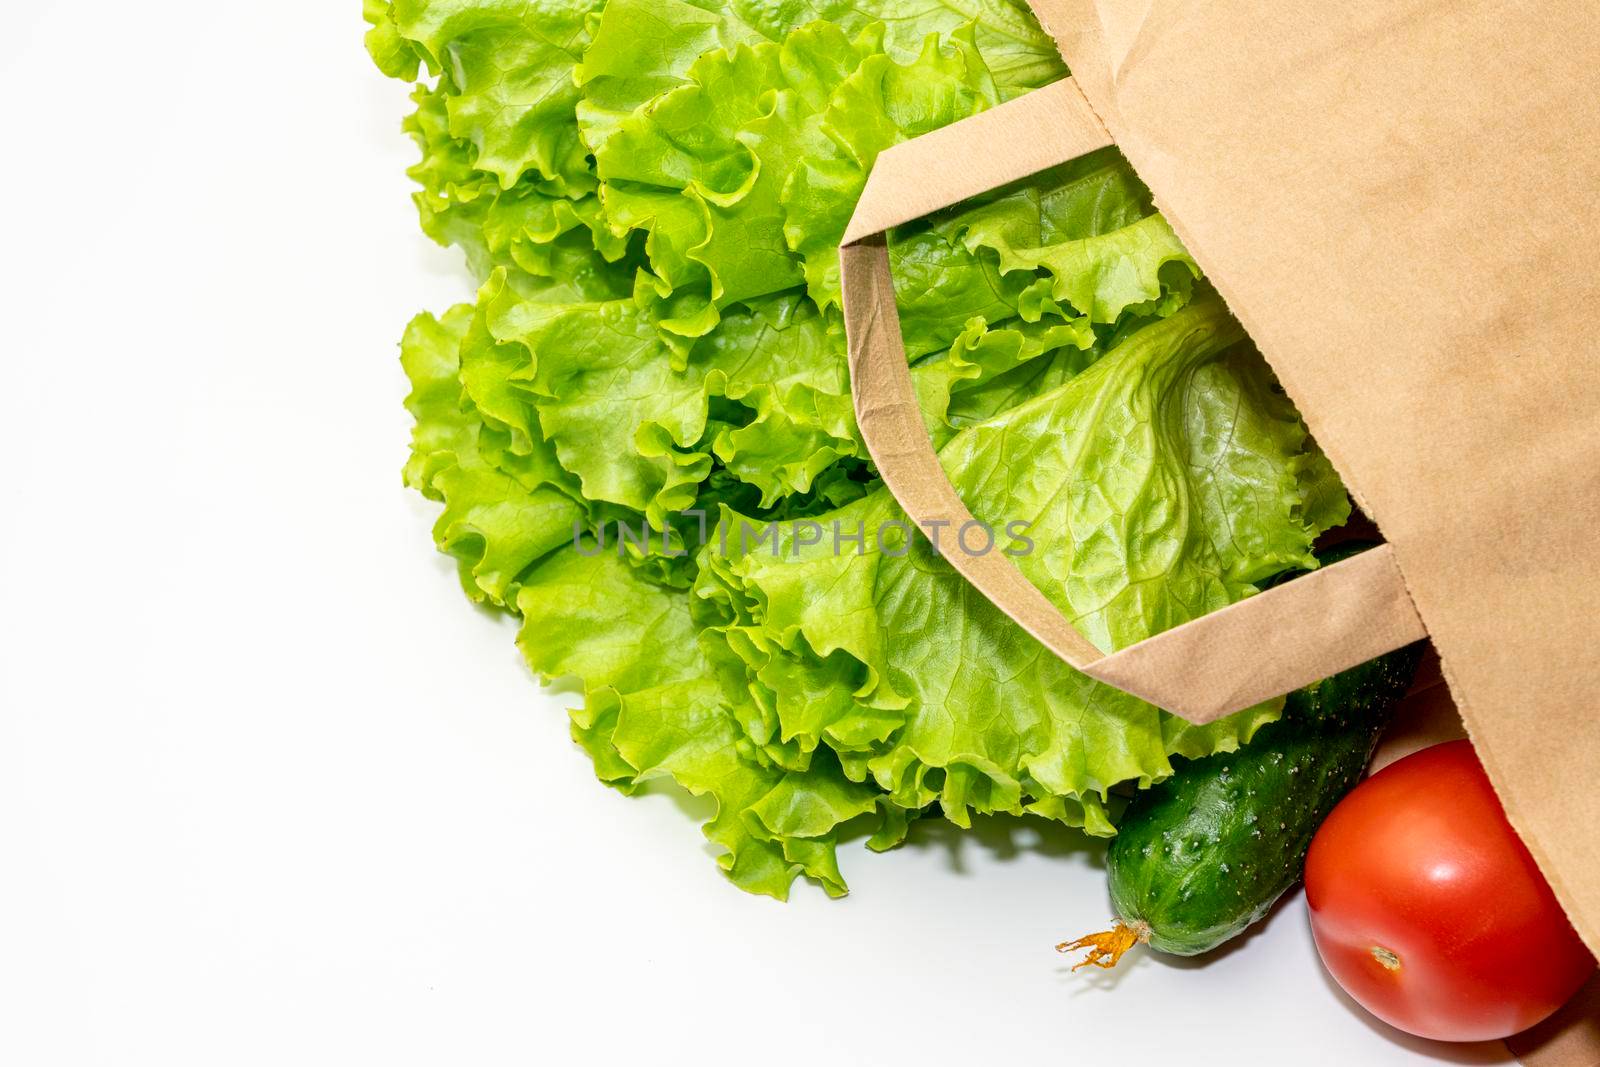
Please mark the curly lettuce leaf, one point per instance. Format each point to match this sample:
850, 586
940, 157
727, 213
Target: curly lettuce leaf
507, 67
390, 50
702, 170
881, 104
496, 521
568, 244
949, 268
648, 715
643, 48
743, 139
619, 415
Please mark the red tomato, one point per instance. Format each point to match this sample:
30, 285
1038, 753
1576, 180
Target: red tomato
1428, 910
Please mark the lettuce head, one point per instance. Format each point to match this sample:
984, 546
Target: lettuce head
642, 440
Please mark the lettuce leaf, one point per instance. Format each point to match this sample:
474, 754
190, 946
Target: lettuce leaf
881, 104
647, 715
508, 67
498, 518
644, 48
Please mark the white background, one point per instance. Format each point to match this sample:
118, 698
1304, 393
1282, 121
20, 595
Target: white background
272, 792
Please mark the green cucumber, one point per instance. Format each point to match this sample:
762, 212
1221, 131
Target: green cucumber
1205, 853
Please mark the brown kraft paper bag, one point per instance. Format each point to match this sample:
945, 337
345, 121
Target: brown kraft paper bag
1397, 199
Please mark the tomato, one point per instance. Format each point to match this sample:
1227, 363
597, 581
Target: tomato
1428, 910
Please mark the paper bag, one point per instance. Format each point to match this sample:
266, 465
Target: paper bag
1397, 199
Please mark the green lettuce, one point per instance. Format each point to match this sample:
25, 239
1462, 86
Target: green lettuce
641, 435
1160, 484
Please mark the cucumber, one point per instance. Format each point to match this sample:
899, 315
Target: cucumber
1205, 853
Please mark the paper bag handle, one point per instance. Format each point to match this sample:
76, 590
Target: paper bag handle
1289, 636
